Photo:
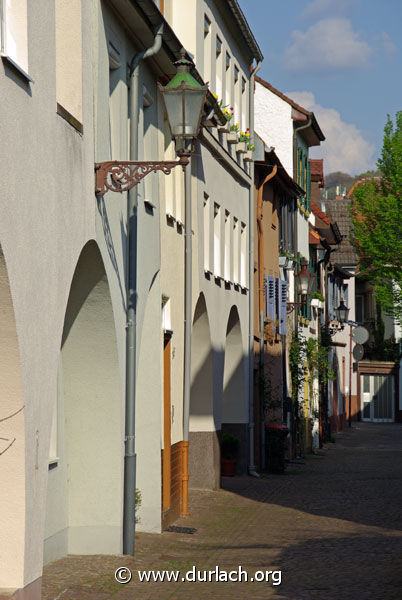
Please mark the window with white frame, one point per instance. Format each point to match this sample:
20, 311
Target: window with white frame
69, 56
219, 68
217, 240
236, 250
243, 104
207, 49
14, 31
227, 269
168, 180
206, 213
236, 93
243, 255
228, 80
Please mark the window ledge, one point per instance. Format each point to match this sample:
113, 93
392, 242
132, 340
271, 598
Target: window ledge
16, 66
71, 120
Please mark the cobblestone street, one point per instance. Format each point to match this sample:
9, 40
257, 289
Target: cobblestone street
331, 524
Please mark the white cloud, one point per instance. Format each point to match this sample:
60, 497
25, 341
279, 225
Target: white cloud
344, 148
328, 44
388, 44
318, 8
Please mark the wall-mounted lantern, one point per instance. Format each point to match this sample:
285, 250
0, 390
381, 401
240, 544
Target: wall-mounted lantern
184, 99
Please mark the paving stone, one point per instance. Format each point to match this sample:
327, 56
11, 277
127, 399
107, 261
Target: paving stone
332, 525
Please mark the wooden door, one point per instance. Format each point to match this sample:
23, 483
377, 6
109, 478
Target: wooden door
166, 454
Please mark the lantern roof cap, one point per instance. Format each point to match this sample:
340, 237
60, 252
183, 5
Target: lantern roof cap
183, 75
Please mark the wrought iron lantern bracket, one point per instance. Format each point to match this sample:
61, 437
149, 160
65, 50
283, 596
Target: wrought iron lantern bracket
290, 306
121, 176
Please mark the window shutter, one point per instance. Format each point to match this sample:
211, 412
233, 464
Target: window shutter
271, 297
330, 297
283, 294
308, 185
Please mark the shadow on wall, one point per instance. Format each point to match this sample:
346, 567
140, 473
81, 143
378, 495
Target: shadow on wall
84, 500
207, 411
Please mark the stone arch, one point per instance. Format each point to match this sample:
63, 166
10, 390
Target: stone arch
234, 406
12, 442
204, 446
233, 400
85, 483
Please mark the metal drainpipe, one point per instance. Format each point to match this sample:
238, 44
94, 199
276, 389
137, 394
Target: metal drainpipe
187, 335
260, 232
131, 309
251, 466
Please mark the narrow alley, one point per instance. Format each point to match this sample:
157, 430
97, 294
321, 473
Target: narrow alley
332, 525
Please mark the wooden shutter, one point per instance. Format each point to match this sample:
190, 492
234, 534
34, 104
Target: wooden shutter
283, 294
271, 297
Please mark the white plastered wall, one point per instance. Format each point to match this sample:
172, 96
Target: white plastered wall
274, 124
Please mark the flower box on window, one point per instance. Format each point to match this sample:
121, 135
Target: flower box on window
241, 147
232, 137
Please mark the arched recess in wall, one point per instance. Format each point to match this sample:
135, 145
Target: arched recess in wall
201, 398
12, 443
233, 401
204, 454
84, 499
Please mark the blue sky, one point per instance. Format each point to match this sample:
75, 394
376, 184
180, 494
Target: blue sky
340, 58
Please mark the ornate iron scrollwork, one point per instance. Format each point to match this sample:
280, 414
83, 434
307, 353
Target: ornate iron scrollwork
120, 176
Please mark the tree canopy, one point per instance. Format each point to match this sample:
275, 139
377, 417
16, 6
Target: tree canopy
377, 222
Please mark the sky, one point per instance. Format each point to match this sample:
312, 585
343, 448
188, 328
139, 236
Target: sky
341, 59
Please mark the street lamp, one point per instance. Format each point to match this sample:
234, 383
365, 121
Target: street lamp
184, 99
342, 313
304, 282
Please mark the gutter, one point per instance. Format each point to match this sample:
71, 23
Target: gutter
251, 467
260, 203
131, 325
188, 259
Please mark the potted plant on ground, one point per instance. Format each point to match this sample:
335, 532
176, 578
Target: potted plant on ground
229, 449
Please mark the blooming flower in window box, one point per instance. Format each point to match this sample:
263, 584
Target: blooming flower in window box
245, 136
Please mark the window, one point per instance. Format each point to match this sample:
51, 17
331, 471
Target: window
235, 250
243, 255
219, 68
207, 49
227, 273
237, 96
207, 26
286, 224
14, 31
166, 314
207, 265
243, 104
359, 309
228, 81
217, 240
69, 59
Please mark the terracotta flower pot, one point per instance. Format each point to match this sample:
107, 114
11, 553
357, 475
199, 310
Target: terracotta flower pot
228, 467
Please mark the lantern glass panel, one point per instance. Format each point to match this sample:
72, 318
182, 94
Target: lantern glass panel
183, 106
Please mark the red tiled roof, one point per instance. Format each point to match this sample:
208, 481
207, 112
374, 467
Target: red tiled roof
320, 214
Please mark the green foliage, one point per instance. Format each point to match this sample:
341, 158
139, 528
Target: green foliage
379, 348
297, 359
376, 215
138, 502
317, 296
230, 445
